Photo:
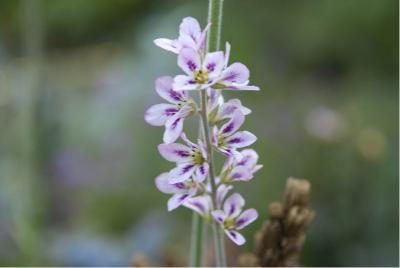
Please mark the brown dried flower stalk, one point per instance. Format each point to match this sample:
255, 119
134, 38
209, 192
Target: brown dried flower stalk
282, 236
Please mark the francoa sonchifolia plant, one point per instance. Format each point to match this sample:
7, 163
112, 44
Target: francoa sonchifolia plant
193, 183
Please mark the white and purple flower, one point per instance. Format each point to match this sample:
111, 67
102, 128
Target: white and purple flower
232, 219
201, 72
219, 110
202, 204
190, 36
235, 76
191, 160
226, 140
170, 114
240, 170
180, 191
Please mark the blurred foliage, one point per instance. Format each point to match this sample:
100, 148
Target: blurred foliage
77, 160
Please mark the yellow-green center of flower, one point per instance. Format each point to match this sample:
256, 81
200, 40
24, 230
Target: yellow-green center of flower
229, 224
198, 157
221, 140
201, 77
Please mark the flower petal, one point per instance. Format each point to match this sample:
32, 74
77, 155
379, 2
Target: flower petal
235, 73
222, 191
176, 200
167, 44
181, 173
175, 152
164, 88
219, 216
162, 183
189, 60
200, 204
249, 158
256, 168
233, 124
184, 82
233, 205
215, 98
236, 237
227, 109
173, 129
158, 114
244, 86
247, 217
186, 41
241, 139
190, 27
202, 172
227, 53
214, 63
240, 173
187, 141
202, 40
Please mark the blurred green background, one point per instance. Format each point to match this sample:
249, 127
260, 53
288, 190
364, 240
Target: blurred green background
78, 162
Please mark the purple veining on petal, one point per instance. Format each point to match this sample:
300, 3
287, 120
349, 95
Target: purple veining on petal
230, 109
175, 123
201, 168
186, 169
231, 76
233, 234
235, 140
170, 111
243, 161
199, 206
180, 185
232, 209
228, 128
175, 95
236, 175
192, 66
183, 197
241, 221
182, 153
211, 66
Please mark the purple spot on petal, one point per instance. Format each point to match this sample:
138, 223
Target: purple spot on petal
180, 185
186, 169
182, 153
233, 234
202, 169
175, 95
199, 206
231, 209
211, 66
236, 175
235, 140
192, 66
241, 222
228, 128
183, 197
175, 123
231, 77
170, 111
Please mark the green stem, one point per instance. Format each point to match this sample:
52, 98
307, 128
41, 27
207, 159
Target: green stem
196, 241
213, 43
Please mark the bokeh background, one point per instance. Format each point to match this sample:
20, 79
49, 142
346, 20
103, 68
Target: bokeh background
78, 162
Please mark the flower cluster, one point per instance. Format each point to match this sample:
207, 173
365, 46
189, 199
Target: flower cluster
187, 182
